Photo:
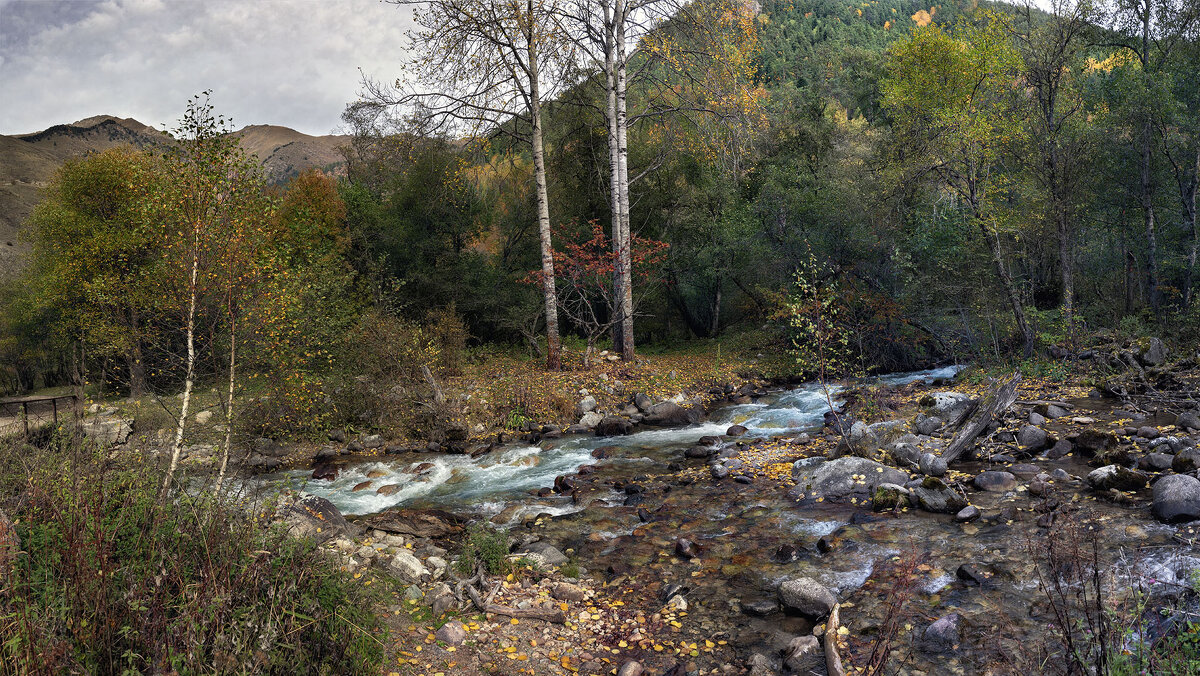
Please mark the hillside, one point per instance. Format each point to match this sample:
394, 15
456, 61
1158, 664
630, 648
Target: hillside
28, 161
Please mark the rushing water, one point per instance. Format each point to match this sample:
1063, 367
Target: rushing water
485, 485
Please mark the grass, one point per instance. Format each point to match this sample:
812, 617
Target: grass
111, 580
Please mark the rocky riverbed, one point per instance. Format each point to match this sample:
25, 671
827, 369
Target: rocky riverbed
722, 546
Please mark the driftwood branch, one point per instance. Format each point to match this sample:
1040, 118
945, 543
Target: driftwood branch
439, 397
833, 661
994, 404
555, 615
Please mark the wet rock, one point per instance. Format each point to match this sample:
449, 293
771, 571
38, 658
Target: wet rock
687, 549
1032, 438
1060, 474
760, 665
841, 479
971, 575
670, 414
807, 597
1092, 441
933, 465
967, 514
735, 431
760, 607
888, 497
604, 452
1176, 499
315, 518
1147, 432
1188, 420
699, 452
325, 472
803, 655
1155, 462
612, 426
1024, 470
942, 636
1061, 448
452, 633
564, 484
786, 554
421, 523
933, 495
1115, 476
1187, 460
949, 406
743, 479
1039, 487
995, 481
361, 486
719, 472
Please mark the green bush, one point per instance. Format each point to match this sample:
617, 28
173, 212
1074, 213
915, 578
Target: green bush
112, 582
487, 546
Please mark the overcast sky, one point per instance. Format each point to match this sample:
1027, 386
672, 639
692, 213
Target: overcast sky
288, 62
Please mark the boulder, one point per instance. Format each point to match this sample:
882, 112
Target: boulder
932, 465
968, 514
995, 482
889, 496
407, 567
807, 597
1150, 351
949, 406
421, 523
106, 431
927, 425
1092, 441
586, 405
1155, 462
315, 518
1176, 499
590, 420
642, 401
612, 426
736, 431
1032, 438
1188, 420
544, 552
933, 495
670, 414
1187, 460
803, 655
1115, 476
842, 479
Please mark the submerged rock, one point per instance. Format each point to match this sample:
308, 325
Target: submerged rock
807, 597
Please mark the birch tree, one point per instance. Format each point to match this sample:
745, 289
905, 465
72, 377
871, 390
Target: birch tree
486, 67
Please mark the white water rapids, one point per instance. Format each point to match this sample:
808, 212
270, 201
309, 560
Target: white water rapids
485, 485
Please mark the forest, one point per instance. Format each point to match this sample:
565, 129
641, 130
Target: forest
939, 258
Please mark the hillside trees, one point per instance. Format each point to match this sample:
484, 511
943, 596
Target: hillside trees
94, 251
951, 98
480, 65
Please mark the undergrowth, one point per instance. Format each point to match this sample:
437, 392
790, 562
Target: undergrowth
111, 580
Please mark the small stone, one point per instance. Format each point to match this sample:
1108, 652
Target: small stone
942, 636
452, 633
995, 481
967, 514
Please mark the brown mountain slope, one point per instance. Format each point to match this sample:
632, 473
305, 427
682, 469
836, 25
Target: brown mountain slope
285, 152
28, 161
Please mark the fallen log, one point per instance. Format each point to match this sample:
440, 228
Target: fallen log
996, 402
833, 660
546, 615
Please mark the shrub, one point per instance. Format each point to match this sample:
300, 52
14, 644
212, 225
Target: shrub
485, 546
114, 581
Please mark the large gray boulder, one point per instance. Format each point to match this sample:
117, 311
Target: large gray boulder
1188, 420
1116, 476
107, 431
611, 426
842, 479
315, 518
1151, 352
1032, 437
807, 597
1176, 499
949, 406
933, 495
670, 414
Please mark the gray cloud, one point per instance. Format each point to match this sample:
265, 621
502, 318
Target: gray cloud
289, 62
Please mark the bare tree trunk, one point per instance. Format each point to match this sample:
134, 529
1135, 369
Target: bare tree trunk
715, 325
228, 445
625, 254
1006, 281
550, 297
1152, 291
189, 379
614, 165
1189, 216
